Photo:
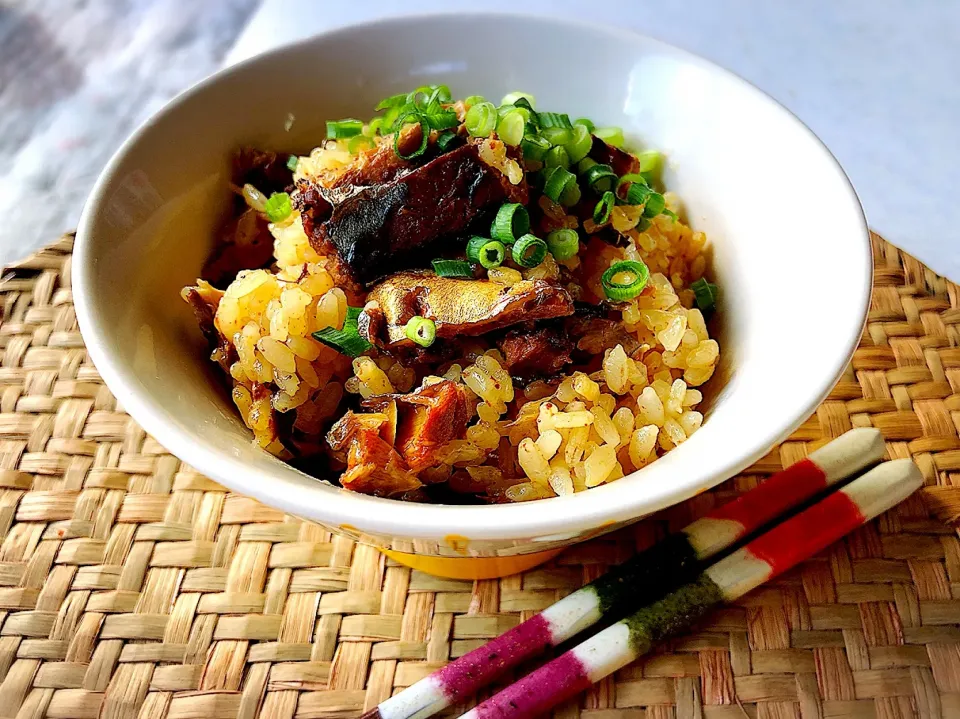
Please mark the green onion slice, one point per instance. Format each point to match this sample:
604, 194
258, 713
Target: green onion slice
337, 129
529, 251
489, 253
512, 221
392, 101
705, 294
571, 195
579, 144
421, 330
557, 157
412, 117
373, 127
474, 100
585, 122
534, 148
557, 135
278, 207
359, 142
555, 119
563, 244
452, 268
600, 177
292, 163
625, 280
447, 141
481, 119
511, 98
585, 164
510, 128
348, 340
556, 180
610, 135
651, 165
655, 205
671, 214
636, 189
601, 213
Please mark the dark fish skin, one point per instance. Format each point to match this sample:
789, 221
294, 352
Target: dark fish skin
389, 226
623, 163
459, 307
536, 352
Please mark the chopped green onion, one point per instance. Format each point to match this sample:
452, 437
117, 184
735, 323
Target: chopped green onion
529, 251
600, 177
557, 157
585, 164
452, 268
571, 195
563, 244
489, 253
655, 205
557, 135
637, 190
390, 119
556, 180
671, 214
412, 117
534, 148
392, 101
555, 119
705, 294
507, 109
651, 165
531, 114
348, 340
512, 221
579, 144
359, 142
373, 127
474, 100
511, 98
292, 163
625, 280
610, 135
447, 140
585, 122
278, 207
510, 127
421, 330
481, 119
337, 129
601, 213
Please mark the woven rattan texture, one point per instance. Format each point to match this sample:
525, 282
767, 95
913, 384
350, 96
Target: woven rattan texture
130, 585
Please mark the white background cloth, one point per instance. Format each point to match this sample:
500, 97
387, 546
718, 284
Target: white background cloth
877, 80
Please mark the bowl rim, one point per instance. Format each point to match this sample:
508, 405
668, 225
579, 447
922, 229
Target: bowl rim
597, 508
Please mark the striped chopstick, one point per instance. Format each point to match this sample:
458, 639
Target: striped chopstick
772, 553
641, 580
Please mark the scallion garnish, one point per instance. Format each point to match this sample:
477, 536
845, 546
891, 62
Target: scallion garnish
511, 98
531, 114
421, 330
512, 221
571, 195
557, 135
637, 190
447, 141
392, 101
585, 122
625, 280
414, 118
651, 165
601, 178
529, 251
705, 294
510, 128
474, 100
348, 340
602, 210
534, 148
610, 135
555, 181
292, 163
555, 119
481, 119
585, 164
563, 244
357, 143
278, 207
373, 127
671, 214
452, 268
338, 129
488, 253
579, 144
655, 205
557, 157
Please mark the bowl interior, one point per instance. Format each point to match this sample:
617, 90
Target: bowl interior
790, 248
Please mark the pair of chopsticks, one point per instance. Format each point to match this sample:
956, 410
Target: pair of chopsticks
671, 585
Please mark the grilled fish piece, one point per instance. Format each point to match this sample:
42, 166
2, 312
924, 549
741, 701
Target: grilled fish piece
459, 307
373, 465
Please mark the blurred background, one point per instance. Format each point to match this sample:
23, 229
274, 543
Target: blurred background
875, 79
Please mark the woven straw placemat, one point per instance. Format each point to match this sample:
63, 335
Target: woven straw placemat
130, 585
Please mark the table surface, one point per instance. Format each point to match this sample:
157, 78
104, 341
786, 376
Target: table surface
876, 81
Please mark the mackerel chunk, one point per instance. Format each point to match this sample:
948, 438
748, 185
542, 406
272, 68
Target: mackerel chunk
386, 227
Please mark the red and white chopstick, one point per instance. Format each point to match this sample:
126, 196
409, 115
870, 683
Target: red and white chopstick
772, 553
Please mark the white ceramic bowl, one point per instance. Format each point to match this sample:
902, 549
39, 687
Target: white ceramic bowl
790, 252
